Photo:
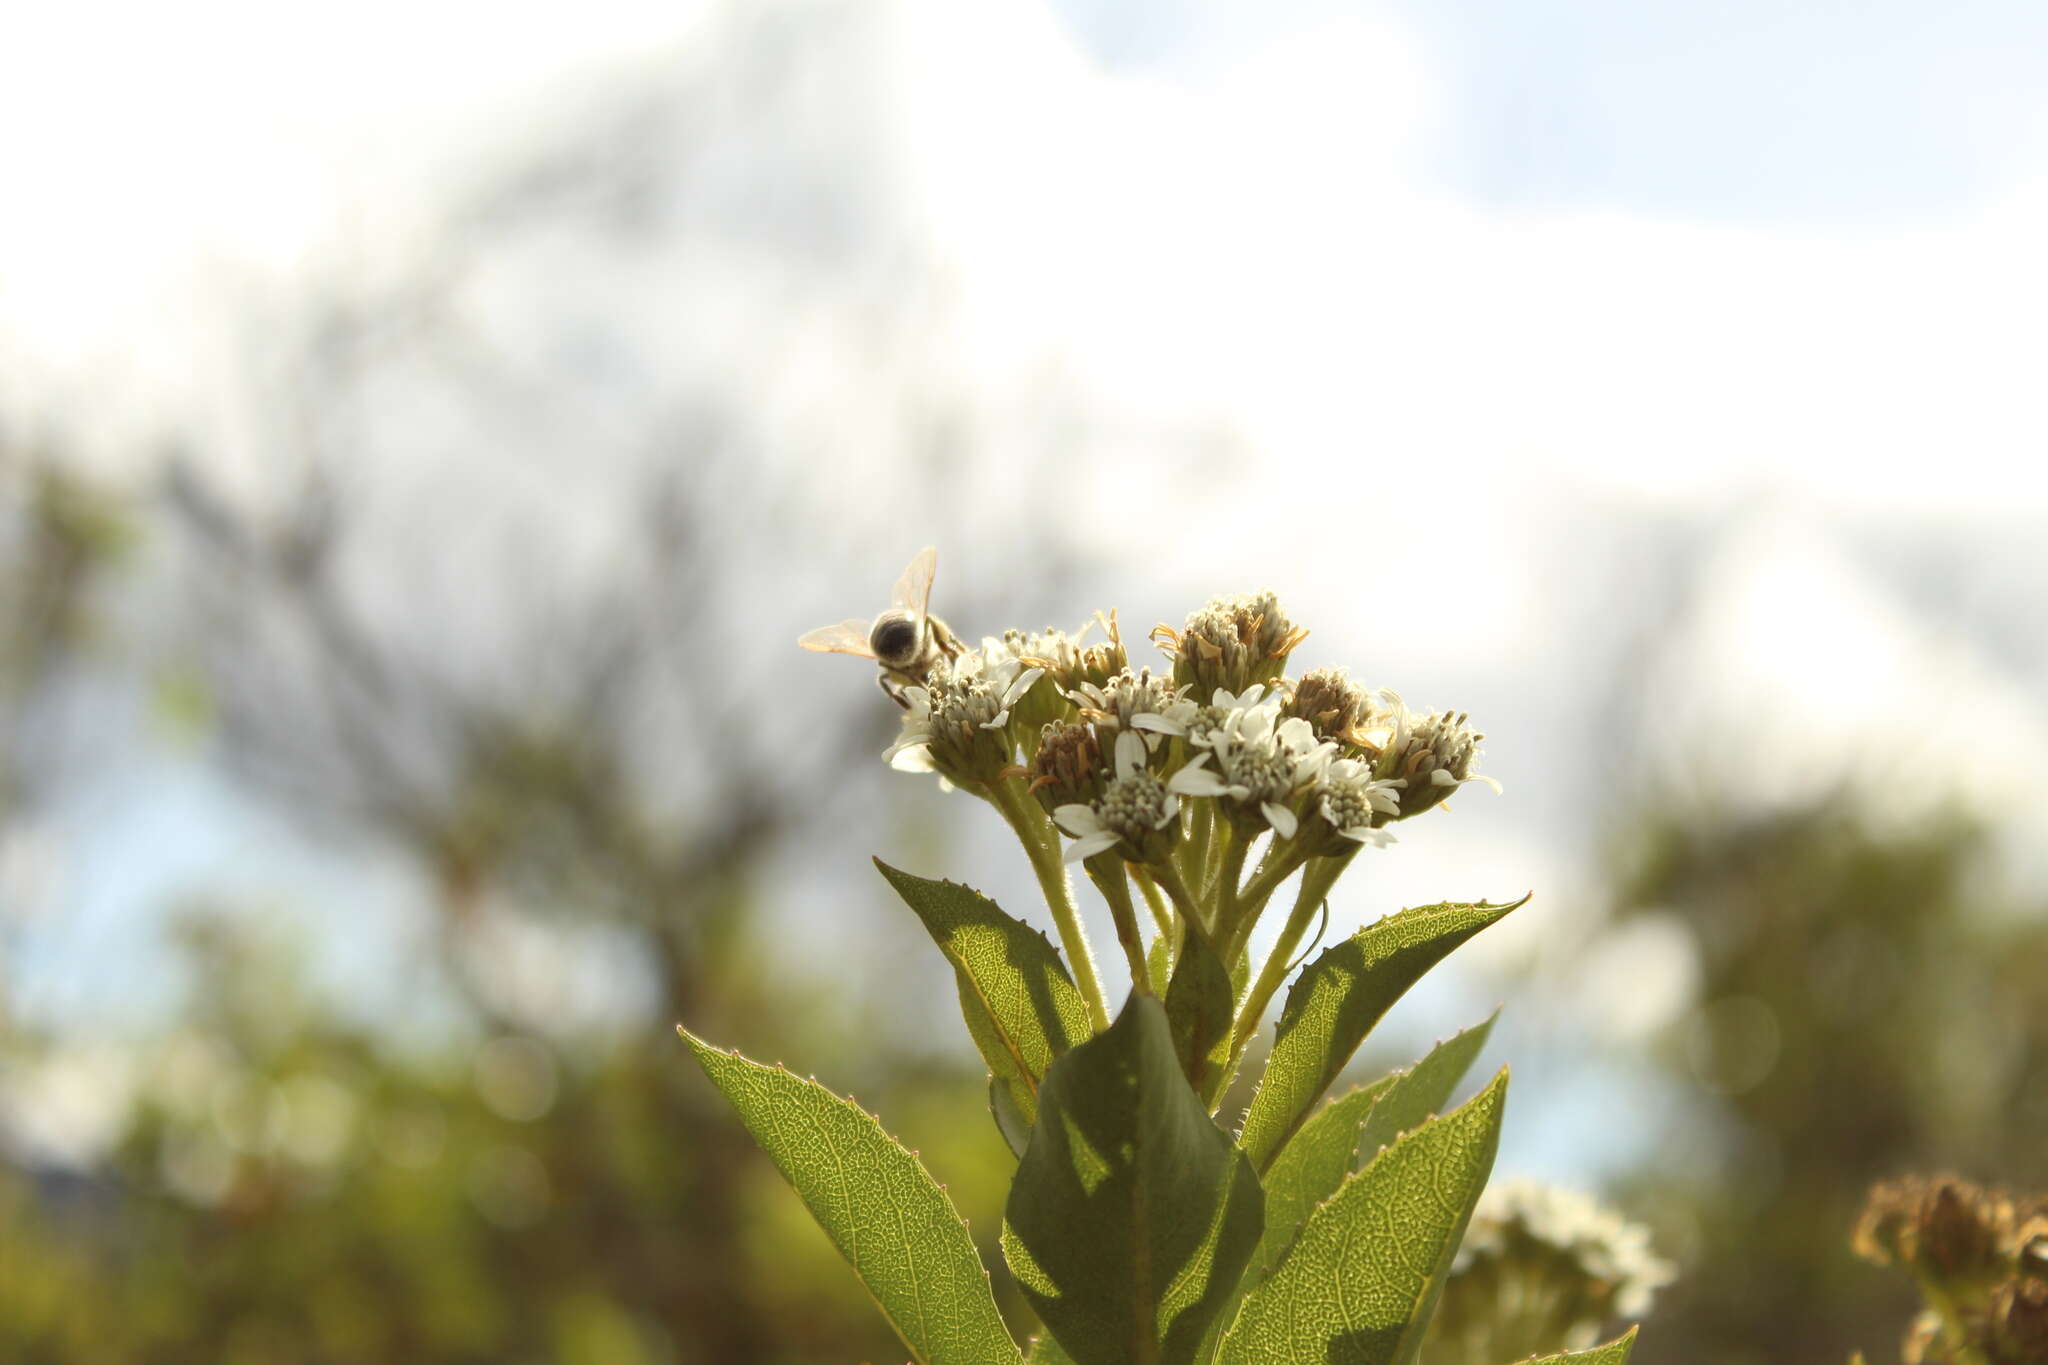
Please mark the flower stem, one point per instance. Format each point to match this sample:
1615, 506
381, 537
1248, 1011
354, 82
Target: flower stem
1280, 863
1162, 918
1237, 843
1194, 850
1316, 880
1106, 870
1042, 846
1177, 891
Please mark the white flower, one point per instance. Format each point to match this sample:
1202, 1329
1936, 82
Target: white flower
1259, 760
1429, 757
1134, 804
911, 753
1348, 798
1091, 836
1069, 658
1604, 1246
1225, 700
975, 694
1136, 701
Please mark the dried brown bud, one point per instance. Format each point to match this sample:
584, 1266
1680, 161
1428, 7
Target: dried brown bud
1068, 768
2019, 1322
1882, 1234
1961, 1228
1328, 701
1947, 1230
1231, 643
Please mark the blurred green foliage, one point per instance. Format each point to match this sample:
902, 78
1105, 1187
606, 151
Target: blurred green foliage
1869, 1005
285, 1185
289, 1190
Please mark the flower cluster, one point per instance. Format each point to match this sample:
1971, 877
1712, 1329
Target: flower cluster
1542, 1269
1204, 783
1315, 760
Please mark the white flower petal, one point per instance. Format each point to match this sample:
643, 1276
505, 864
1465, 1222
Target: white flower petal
1196, 781
1280, 818
1158, 724
1130, 754
1088, 847
910, 758
1021, 686
1002, 718
1296, 734
1077, 819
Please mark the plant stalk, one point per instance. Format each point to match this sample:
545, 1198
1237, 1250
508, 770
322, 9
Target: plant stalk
1041, 842
1316, 881
1106, 870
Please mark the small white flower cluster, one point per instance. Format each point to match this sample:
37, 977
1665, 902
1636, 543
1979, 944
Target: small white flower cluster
949, 721
1133, 806
1258, 759
1313, 759
1519, 1218
1201, 787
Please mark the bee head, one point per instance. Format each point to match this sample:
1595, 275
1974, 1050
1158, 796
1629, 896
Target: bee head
896, 640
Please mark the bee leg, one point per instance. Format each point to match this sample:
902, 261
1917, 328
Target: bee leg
892, 690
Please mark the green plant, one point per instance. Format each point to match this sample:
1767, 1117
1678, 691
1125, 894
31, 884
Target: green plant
1138, 1227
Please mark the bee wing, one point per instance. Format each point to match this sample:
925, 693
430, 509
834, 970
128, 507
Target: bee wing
848, 637
913, 591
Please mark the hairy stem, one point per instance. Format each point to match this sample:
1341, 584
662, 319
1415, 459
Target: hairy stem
1193, 853
1280, 863
1106, 870
1035, 830
1237, 843
1316, 881
1162, 918
1177, 891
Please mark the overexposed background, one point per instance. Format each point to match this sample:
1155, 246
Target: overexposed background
1661, 385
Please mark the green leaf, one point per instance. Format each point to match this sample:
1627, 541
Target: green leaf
1423, 1089
1309, 1170
1613, 1353
1021, 1006
1046, 1351
1132, 1214
1159, 963
1200, 1005
877, 1204
1318, 1157
1008, 1114
1364, 1275
1337, 1000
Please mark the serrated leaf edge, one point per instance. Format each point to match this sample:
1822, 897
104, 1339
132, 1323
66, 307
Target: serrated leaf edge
1500, 1077
1626, 1342
699, 1044
966, 977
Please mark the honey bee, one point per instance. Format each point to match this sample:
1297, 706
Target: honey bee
906, 640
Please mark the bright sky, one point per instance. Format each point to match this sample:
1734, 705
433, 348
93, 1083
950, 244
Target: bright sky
1669, 253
